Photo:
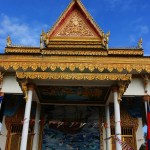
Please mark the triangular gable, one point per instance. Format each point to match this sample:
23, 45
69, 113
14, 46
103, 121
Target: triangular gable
75, 23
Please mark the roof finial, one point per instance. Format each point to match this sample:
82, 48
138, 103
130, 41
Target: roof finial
140, 42
8, 41
107, 39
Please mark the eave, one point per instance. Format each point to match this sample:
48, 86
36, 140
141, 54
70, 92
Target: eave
75, 63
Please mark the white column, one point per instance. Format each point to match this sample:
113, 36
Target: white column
108, 132
146, 99
117, 118
36, 128
25, 130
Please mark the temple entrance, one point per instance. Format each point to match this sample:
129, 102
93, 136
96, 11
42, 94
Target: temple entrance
71, 127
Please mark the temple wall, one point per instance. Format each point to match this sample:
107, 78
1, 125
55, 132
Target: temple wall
10, 85
3, 136
139, 134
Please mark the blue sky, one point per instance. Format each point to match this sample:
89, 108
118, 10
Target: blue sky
127, 20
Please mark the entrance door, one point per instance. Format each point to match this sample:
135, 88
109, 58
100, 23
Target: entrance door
14, 137
127, 136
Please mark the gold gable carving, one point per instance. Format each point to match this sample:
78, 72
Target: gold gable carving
75, 26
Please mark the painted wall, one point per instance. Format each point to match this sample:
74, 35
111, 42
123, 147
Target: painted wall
72, 128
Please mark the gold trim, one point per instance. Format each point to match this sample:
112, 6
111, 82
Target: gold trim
125, 52
72, 76
21, 50
75, 52
75, 62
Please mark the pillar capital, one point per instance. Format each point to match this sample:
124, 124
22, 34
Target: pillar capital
1, 94
115, 89
31, 87
146, 98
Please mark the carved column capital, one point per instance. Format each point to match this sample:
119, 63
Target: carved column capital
145, 82
115, 89
146, 98
31, 87
1, 94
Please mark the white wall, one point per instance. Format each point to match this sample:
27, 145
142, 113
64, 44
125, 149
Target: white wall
3, 136
10, 85
136, 88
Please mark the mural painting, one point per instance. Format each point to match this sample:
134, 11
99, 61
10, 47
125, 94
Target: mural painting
71, 128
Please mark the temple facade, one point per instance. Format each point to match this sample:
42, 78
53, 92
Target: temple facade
73, 92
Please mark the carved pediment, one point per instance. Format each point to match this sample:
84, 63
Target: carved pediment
76, 26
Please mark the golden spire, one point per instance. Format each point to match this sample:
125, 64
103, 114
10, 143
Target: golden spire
140, 42
8, 41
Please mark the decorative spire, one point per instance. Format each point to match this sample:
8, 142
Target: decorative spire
8, 41
42, 40
107, 39
140, 42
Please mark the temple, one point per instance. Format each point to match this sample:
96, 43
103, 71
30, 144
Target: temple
73, 92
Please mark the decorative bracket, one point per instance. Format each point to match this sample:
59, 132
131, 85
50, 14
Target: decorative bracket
145, 81
1, 78
24, 88
122, 88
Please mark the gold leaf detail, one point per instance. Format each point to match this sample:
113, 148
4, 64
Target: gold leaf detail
72, 67
81, 67
62, 67
53, 67
15, 66
43, 66
34, 66
25, 66
91, 67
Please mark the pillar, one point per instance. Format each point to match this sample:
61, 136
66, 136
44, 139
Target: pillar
146, 99
117, 118
25, 129
108, 132
36, 128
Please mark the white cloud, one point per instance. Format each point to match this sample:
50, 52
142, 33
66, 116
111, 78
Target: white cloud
124, 5
21, 33
132, 39
142, 29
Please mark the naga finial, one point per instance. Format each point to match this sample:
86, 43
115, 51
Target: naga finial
8, 41
107, 39
140, 43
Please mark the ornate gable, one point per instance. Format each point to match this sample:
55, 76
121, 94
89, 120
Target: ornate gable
75, 25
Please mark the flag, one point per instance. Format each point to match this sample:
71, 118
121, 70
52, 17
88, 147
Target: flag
1, 98
148, 129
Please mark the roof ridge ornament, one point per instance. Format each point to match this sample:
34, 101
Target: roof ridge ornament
8, 41
42, 40
105, 39
140, 43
